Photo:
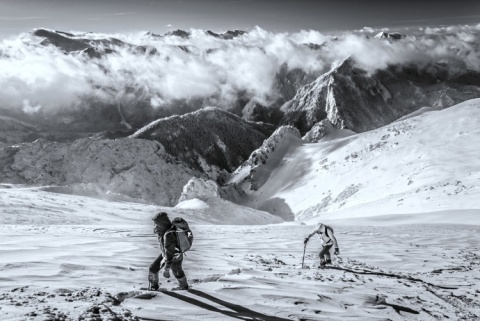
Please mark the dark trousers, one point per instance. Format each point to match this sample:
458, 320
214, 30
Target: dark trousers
177, 269
325, 253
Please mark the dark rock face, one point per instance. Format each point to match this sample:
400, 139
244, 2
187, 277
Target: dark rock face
392, 35
61, 40
228, 35
351, 98
178, 33
257, 112
209, 139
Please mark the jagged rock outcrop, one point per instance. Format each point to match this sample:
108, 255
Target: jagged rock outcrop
390, 35
199, 188
324, 130
137, 168
210, 140
347, 96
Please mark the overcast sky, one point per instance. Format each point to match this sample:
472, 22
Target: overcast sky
219, 15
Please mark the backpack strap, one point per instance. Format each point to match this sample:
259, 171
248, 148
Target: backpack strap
328, 228
172, 230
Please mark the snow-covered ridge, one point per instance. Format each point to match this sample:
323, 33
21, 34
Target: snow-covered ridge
260, 156
211, 140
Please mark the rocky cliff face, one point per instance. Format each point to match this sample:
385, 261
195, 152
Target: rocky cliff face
137, 168
351, 98
347, 96
210, 140
199, 188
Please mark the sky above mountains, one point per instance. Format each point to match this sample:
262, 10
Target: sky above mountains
219, 15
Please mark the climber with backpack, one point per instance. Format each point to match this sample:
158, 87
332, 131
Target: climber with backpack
328, 241
175, 239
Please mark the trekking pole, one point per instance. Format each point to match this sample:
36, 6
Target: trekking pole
303, 258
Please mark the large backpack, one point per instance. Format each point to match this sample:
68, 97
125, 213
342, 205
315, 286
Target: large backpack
184, 234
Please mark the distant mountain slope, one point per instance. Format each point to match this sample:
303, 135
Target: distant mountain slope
424, 163
14, 131
209, 139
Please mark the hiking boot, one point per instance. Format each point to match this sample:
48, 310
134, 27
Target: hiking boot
328, 261
182, 284
153, 281
322, 264
153, 287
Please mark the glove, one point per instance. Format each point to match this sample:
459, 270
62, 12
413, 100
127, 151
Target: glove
166, 273
337, 251
306, 240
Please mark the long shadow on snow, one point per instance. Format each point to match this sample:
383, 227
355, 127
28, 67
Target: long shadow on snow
392, 276
241, 312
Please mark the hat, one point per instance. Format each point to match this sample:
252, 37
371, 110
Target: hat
162, 219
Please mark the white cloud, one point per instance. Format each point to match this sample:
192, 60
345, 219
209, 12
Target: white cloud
35, 77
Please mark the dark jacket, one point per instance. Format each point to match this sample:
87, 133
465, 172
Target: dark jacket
168, 246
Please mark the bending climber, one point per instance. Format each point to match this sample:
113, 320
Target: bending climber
328, 240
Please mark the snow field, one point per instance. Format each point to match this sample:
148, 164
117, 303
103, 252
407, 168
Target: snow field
402, 272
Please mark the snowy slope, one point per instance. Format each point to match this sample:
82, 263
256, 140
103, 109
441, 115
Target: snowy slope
37, 206
67, 257
421, 164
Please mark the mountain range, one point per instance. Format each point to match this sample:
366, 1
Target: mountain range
120, 141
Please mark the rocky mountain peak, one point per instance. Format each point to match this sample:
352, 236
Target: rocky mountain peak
391, 35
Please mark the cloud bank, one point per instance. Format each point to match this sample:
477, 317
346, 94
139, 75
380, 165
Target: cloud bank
37, 75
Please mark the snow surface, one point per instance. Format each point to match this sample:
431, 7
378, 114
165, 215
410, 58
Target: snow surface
66, 257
